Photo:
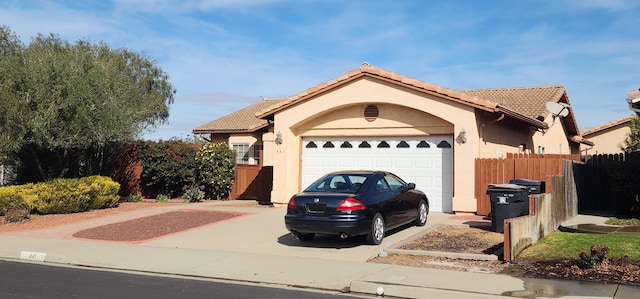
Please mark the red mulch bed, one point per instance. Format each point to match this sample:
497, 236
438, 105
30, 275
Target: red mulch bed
150, 227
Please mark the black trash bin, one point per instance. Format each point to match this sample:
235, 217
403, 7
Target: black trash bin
533, 187
507, 201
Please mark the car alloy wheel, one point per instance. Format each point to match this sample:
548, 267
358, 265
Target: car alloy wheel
422, 213
377, 229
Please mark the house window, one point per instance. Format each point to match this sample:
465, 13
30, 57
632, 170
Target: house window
444, 144
346, 144
257, 148
312, 145
328, 144
364, 144
242, 153
383, 144
402, 144
423, 144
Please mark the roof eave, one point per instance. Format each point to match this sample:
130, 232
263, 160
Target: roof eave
414, 84
232, 131
580, 139
528, 120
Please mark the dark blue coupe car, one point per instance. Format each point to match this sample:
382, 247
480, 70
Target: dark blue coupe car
352, 203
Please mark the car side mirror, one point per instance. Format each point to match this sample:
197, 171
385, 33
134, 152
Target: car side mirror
411, 186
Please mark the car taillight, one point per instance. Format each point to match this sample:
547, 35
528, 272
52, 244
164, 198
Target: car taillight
350, 204
292, 204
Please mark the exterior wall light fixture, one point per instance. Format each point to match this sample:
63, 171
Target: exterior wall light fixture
462, 136
278, 139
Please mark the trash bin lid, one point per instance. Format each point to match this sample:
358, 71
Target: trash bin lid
507, 186
525, 181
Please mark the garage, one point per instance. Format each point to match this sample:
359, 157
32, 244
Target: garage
426, 161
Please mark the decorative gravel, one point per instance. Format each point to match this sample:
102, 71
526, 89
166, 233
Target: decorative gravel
146, 228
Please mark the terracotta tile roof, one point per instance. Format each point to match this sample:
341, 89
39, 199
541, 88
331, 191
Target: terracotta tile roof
611, 124
528, 101
371, 71
243, 120
531, 102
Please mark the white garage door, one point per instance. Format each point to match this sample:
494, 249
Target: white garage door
425, 161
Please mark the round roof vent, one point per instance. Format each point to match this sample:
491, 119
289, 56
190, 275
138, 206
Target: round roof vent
371, 113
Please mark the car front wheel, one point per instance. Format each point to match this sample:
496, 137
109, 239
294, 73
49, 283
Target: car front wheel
377, 231
423, 211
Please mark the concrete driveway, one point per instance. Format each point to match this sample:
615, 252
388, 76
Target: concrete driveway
262, 231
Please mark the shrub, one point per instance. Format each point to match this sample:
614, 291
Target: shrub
11, 199
62, 196
133, 198
597, 255
103, 191
216, 168
168, 165
162, 198
193, 193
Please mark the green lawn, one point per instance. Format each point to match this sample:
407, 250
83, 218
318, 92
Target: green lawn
563, 245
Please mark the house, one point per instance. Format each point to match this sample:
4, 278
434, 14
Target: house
608, 138
371, 118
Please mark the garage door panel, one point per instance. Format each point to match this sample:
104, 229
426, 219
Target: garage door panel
403, 162
364, 162
346, 162
415, 159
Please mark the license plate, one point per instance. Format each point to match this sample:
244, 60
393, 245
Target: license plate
316, 207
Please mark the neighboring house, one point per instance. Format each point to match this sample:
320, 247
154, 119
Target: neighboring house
608, 138
370, 118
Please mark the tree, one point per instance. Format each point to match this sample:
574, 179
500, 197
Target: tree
632, 141
12, 111
70, 100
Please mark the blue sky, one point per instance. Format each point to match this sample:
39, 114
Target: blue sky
222, 55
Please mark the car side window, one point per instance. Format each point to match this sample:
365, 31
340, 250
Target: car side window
381, 185
394, 182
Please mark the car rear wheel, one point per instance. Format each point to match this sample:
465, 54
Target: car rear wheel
305, 237
423, 211
377, 231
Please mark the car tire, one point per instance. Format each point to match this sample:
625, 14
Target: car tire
305, 237
423, 212
377, 230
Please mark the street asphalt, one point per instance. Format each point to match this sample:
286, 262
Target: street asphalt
257, 248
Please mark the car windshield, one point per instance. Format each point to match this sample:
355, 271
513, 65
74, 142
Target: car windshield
338, 183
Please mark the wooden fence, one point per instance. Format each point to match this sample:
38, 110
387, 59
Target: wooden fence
515, 166
547, 212
609, 182
253, 182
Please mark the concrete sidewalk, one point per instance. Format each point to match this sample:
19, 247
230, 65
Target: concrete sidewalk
257, 248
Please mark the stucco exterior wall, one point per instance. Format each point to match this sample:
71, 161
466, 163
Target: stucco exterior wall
554, 140
403, 112
608, 141
502, 136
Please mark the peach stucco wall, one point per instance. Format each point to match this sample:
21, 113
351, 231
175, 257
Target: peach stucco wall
500, 136
608, 141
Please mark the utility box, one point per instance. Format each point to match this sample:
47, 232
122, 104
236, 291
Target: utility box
507, 201
535, 187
